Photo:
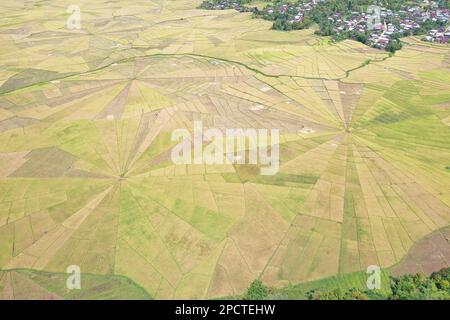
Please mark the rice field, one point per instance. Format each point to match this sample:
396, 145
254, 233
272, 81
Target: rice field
86, 178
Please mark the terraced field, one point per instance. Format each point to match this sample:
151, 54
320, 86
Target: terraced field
86, 178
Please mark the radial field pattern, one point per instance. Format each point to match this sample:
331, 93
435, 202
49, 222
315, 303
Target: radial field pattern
86, 177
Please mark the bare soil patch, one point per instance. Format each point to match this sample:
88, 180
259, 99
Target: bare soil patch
428, 255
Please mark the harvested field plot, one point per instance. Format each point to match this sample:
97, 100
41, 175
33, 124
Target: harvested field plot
86, 176
427, 255
25, 284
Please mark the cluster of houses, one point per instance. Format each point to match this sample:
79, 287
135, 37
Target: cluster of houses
299, 10
440, 35
226, 4
379, 25
407, 21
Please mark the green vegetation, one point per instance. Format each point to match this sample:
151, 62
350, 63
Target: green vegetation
421, 287
338, 294
93, 287
344, 286
330, 17
88, 177
257, 291
224, 4
394, 46
353, 287
283, 24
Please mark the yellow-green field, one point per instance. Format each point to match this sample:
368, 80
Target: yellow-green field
86, 179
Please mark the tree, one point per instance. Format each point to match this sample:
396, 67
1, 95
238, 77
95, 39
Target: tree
337, 294
362, 37
257, 291
394, 45
306, 23
419, 287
